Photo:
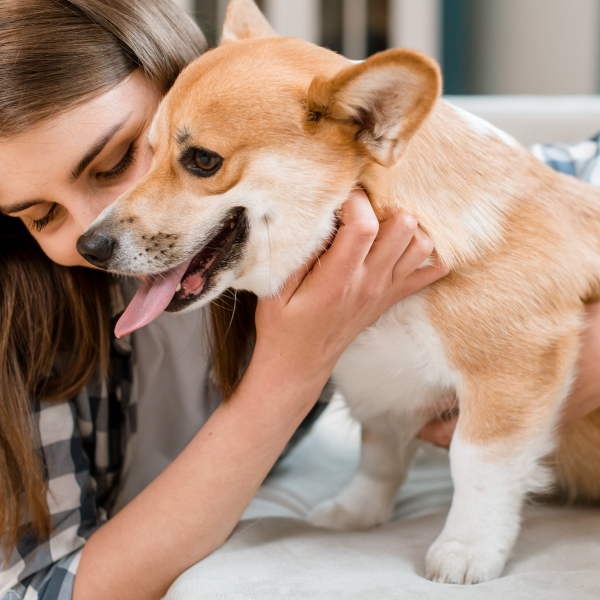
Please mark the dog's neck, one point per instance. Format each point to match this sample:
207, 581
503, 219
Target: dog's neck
458, 179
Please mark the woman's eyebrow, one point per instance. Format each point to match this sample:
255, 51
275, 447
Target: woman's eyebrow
15, 208
97, 148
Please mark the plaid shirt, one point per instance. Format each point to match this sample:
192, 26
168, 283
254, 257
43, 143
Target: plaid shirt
581, 160
83, 445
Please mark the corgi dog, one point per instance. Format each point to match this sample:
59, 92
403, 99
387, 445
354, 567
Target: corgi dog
257, 146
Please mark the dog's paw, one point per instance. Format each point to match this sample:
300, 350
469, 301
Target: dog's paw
451, 561
335, 515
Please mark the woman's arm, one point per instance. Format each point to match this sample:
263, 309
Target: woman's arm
585, 395
192, 507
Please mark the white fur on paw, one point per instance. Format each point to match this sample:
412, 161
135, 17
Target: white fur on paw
452, 561
334, 515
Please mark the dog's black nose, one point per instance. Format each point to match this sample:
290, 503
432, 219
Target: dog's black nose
95, 248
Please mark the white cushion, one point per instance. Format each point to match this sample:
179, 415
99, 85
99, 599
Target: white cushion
274, 553
537, 119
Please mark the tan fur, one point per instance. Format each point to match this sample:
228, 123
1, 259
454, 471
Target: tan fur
336, 99
541, 268
522, 241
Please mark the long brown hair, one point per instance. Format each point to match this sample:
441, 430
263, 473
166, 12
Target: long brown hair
231, 336
54, 55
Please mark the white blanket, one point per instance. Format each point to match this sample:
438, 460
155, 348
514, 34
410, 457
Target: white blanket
274, 553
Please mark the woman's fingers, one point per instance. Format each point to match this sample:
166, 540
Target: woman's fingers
417, 252
420, 279
396, 233
401, 248
407, 277
404, 285
395, 247
356, 233
347, 249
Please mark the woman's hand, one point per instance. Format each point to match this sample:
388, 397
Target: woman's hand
584, 397
368, 267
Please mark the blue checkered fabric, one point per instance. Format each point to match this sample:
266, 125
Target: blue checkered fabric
579, 160
83, 444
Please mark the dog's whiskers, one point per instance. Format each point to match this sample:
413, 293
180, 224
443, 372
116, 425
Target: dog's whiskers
232, 313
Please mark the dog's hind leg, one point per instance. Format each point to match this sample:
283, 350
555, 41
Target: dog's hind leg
368, 499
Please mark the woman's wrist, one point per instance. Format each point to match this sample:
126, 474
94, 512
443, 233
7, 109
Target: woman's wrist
299, 381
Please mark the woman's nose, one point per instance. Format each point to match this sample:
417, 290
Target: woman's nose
96, 248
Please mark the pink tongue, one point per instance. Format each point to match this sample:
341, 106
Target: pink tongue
151, 299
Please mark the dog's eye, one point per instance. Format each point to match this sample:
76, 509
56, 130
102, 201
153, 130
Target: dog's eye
201, 162
205, 160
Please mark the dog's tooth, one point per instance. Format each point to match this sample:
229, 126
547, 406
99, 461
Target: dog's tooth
178, 288
232, 225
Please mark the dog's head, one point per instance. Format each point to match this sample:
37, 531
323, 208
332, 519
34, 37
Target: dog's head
255, 147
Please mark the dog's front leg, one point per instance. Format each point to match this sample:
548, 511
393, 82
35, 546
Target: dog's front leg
491, 477
368, 499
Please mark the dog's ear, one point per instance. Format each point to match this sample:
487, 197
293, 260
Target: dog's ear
245, 21
385, 99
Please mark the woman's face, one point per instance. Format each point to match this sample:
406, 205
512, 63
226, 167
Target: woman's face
58, 177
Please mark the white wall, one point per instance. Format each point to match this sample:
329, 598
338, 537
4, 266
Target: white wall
518, 46
416, 24
536, 46
295, 18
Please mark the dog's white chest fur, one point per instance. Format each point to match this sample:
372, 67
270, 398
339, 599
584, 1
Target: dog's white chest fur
397, 366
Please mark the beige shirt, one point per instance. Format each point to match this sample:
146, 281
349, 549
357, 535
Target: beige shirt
171, 361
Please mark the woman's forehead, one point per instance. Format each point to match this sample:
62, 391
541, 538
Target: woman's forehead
52, 150
134, 94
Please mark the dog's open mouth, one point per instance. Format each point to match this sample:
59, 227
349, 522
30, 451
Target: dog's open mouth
186, 283
195, 280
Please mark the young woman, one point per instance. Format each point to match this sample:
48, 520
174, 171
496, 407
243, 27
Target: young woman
89, 425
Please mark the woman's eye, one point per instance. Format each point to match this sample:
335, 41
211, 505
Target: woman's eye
201, 162
39, 224
124, 164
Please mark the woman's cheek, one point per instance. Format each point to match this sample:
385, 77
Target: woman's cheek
60, 246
